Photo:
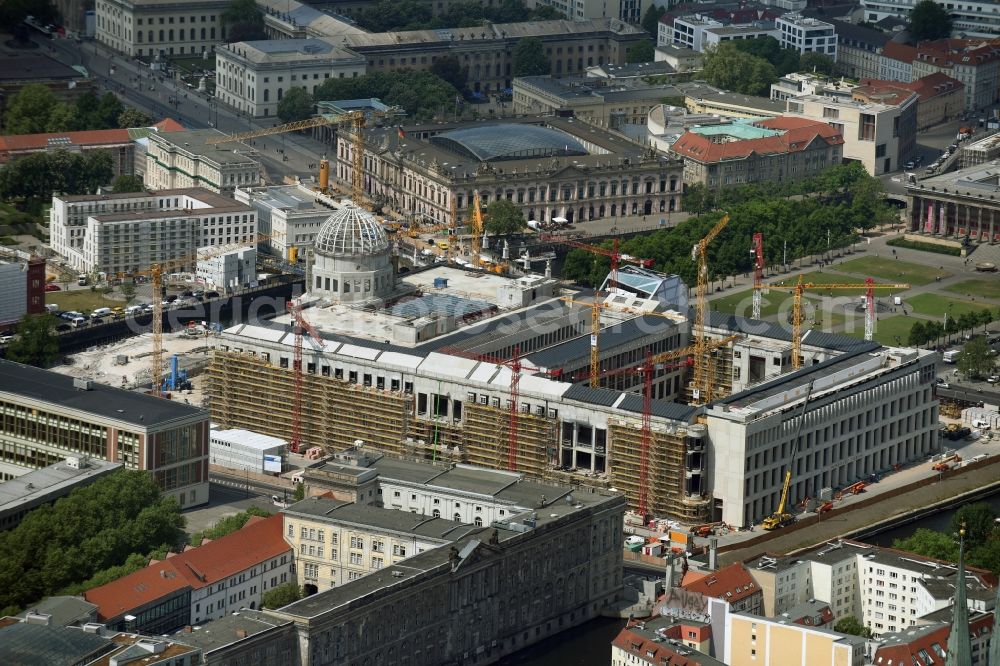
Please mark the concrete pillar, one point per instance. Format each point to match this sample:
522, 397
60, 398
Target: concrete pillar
942, 218
979, 224
991, 225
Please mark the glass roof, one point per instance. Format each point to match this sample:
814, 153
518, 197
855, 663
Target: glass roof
509, 142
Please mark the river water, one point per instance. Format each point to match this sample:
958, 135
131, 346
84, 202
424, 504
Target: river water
938, 522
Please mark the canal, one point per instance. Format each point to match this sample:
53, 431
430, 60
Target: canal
938, 522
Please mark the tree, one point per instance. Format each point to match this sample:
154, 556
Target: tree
784, 60
978, 520
451, 70
850, 625
28, 111
728, 67
282, 595
929, 20
133, 117
651, 19
934, 330
422, 95
125, 183
819, 63
128, 291
986, 318
697, 199
918, 335
243, 21
529, 58
929, 543
503, 218
300, 492
967, 321
976, 359
297, 104
35, 343
228, 525
62, 118
951, 327
641, 52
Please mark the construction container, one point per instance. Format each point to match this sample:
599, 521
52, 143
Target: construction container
972, 415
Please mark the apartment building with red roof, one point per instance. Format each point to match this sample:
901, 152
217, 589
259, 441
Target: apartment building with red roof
662, 640
735, 586
927, 645
200, 584
774, 149
940, 98
974, 62
897, 61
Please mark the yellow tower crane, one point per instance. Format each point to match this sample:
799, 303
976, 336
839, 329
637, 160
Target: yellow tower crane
477, 230
702, 381
796, 290
357, 121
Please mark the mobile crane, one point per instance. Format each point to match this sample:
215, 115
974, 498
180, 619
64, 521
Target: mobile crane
780, 517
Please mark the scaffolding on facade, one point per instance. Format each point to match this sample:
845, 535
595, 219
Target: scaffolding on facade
487, 441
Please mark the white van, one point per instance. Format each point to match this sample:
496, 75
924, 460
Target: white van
78, 322
100, 312
133, 310
981, 424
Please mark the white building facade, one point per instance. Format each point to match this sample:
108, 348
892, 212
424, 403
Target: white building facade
879, 136
150, 28
231, 270
289, 216
887, 411
246, 451
129, 232
187, 159
253, 77
973, 18
807, 35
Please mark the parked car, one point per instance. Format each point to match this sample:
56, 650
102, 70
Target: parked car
993, 379
52, 287
212, 294
909, 165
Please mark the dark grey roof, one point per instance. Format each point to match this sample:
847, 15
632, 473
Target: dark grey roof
64, 610
509, 141
594, 396
219, 633
632, 402
35, 644
613, 336
388, 519
766, 329
101, 400
858, 34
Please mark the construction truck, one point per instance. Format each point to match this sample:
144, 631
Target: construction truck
780, 517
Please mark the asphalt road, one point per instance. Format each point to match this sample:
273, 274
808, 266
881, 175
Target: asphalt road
138, 86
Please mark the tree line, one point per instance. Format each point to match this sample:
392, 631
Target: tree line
31, 180
36, 109
389, 15
982, 548
841, 201
121, 518
933, 331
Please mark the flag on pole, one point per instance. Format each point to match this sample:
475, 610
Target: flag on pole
402, 134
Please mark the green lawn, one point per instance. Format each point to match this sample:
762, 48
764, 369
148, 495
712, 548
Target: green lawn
772, 304
892, 270
887, 329
935, 305
817, 277
976, 288
81, 300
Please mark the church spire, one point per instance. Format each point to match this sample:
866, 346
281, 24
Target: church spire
959, 644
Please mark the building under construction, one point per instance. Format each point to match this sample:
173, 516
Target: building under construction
461, 365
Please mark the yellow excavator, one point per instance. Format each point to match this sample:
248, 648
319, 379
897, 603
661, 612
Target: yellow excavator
780, 517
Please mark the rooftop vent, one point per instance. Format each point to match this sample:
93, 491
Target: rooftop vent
83, 383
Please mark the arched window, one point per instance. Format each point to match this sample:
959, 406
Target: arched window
436, 513
478, 521
457, 517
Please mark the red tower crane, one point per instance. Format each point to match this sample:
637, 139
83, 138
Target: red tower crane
758, 271
300, 324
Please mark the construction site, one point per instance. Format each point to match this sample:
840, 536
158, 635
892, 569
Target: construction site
611, 389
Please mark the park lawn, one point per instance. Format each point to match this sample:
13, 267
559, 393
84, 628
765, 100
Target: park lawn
818, 277
976, 288
771, 306
189, 64
893, 270
935, 305
81, 300
887, 329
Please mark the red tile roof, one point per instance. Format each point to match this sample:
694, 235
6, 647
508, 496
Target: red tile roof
901, 52
17, 142
157, 581
662, 653
949, 52
730, 584
911, 654
927, 87
882, 92
799, 134
260, 540
169, 125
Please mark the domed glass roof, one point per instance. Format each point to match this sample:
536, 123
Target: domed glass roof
509, 141
351, 231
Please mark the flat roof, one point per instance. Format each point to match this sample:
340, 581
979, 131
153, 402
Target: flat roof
33, 67
293, 199
195, 142
247, 438
41, 483
380, 518
100, 401
217, 634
